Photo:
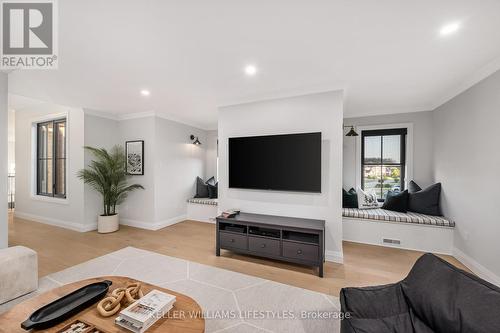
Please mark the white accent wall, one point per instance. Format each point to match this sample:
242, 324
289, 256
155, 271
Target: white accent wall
467, 162
422, 145
67, 213
310, 113
4, 227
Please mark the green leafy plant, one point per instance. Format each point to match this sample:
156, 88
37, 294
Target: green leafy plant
107, 174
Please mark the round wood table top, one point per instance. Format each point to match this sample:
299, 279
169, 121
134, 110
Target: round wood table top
185, 316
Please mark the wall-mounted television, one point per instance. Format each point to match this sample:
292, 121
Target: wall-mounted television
289, 162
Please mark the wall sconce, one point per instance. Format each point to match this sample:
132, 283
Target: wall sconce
352, 132
195, 140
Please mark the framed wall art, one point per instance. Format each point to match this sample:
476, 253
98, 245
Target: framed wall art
134, 151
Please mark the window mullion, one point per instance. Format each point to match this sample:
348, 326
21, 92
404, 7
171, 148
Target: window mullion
54, 156
381, 166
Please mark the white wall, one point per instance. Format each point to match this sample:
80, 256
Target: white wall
211, 155
172, 164
467, 162
311, 113
4, 228
99, 133
67, 213
139, 209
422, 145
12, 141
177, 164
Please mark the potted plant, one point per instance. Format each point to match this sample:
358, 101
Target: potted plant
107, 175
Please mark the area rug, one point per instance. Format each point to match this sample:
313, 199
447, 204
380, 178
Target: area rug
231, 302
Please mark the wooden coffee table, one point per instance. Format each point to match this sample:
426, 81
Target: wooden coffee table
191, 322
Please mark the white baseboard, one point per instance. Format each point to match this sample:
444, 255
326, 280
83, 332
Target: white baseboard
55, 222
152, 226
334, 256
209, 220
476, 267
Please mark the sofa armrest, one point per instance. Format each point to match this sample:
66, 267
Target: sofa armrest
373, 302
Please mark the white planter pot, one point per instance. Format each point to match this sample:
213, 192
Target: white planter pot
106, 224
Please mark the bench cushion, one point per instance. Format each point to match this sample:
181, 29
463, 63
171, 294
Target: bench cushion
390, 216
203, 201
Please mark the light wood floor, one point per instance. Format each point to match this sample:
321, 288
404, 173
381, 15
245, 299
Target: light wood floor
59, 248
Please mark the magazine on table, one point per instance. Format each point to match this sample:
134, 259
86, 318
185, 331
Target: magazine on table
143, 313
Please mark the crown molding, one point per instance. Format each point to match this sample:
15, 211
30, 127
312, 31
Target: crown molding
386, 112
139, 115
471, 80
100, 114
281, 94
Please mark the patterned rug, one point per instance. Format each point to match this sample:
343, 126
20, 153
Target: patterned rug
232, 302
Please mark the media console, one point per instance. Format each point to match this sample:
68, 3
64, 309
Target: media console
295, 240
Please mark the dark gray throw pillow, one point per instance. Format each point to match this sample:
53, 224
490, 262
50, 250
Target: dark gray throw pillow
413, 187
211, 181
213, 191
396, 201
201, 188
426, 201
349, 198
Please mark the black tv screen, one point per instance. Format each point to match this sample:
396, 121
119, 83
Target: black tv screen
290, 162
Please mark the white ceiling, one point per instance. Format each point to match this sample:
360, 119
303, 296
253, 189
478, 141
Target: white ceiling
190, 54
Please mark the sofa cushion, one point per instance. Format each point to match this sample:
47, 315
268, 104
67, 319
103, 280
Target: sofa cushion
451, 300
397, 202
426, 201
203, 201
379, 309
379, 214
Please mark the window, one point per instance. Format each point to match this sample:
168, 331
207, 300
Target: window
383, 160
51, 158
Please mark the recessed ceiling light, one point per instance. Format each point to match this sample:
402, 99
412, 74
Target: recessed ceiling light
449, 28
145, 92
250, 70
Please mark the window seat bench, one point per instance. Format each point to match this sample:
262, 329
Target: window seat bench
403, 230
202, 209
380, 214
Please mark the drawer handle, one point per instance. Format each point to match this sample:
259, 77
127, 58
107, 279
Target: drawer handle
232, 240
263, 245
299, 251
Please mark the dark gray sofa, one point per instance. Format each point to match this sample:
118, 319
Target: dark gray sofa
434, 297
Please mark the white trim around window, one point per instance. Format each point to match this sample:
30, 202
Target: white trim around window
33, 181
409, 149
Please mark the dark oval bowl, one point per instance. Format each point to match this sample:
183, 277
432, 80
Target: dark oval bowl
66, 306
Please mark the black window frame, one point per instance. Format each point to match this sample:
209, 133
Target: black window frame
39, 191
403, 133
